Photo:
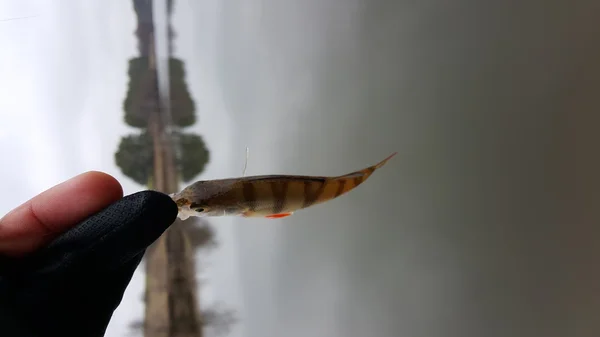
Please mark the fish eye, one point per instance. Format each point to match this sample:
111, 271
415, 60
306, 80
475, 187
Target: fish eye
199, 208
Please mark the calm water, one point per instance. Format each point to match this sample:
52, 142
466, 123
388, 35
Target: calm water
471, 229
485, 224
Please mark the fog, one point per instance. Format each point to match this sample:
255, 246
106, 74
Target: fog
473, 229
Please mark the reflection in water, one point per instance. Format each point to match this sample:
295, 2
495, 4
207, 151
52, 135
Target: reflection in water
466, 236
159, 155
486, 226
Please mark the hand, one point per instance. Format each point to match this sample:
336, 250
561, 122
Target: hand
67, 255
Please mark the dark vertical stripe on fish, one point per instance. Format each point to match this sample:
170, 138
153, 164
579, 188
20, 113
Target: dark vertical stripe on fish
279, 190
249, 195
311, 197
341, 184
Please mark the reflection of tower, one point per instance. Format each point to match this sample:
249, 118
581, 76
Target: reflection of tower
145, 26
170, 31
171, 307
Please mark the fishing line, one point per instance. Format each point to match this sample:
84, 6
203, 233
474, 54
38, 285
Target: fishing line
246, 163
19, 18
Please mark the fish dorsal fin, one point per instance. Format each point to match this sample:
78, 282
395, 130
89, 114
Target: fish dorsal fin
352, 175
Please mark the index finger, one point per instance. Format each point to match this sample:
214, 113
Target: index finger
38, 220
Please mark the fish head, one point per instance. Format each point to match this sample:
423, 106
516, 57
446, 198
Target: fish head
207, 199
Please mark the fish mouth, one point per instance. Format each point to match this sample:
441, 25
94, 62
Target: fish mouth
185, 212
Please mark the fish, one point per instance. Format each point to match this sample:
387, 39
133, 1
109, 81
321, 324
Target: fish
265, 196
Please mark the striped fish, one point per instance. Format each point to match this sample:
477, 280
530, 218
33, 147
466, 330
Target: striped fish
268, 196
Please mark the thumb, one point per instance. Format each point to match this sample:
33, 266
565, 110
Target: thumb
42, 218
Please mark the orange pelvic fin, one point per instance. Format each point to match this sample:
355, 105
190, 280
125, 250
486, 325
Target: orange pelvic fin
278, 216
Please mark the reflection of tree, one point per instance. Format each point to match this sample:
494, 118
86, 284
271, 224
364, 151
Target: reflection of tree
200, 233
191, 155
135, 156
142, 92
217, 319
182, 105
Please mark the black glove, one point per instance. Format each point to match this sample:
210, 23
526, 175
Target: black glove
72, 286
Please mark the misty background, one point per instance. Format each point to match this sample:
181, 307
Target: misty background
484, 224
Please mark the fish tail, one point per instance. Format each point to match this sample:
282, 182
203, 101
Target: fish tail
383, 162
366, 172
336, 186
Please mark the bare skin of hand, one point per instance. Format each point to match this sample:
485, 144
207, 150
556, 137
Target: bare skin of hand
36, 222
